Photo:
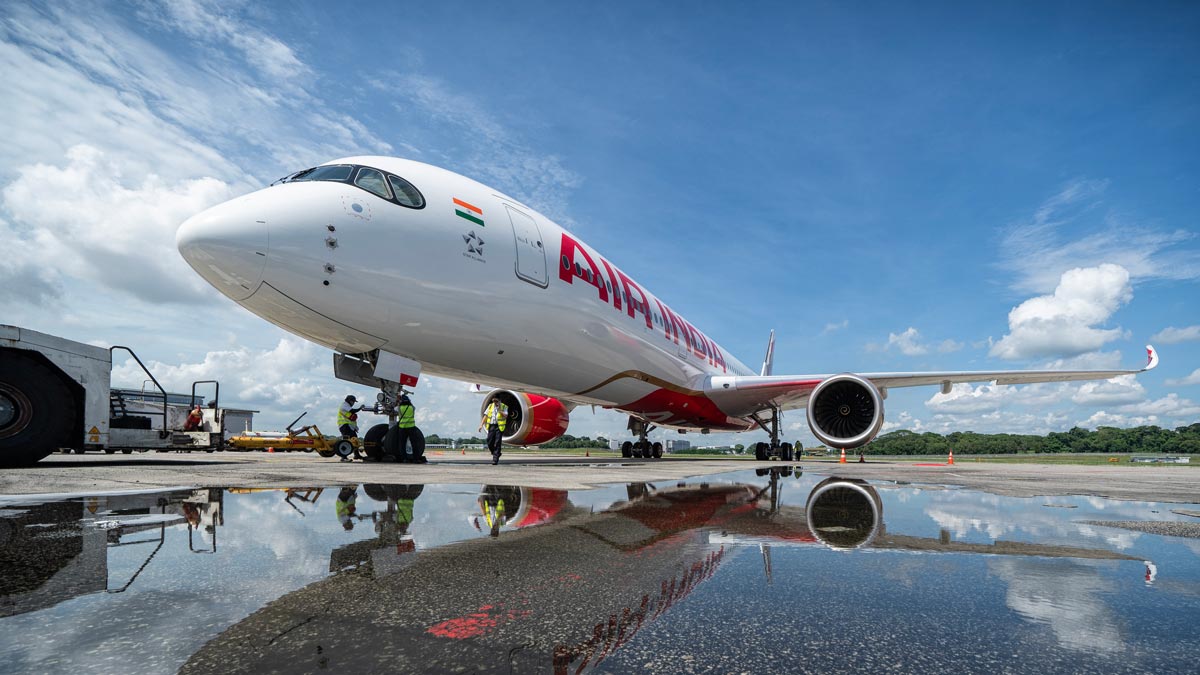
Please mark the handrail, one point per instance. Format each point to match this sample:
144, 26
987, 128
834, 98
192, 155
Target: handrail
162, 537
152, 379
216, 395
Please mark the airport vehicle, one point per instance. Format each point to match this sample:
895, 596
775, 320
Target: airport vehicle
399, 266
307, 438
55, 393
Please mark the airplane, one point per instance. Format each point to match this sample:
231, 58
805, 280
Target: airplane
401, 267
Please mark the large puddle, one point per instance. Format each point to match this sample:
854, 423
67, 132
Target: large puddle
744, 572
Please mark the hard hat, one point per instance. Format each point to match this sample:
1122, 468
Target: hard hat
350, 399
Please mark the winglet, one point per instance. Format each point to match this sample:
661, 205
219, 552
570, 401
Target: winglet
1151, 358
769, 359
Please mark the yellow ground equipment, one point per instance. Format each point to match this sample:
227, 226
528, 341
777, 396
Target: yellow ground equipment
307, 439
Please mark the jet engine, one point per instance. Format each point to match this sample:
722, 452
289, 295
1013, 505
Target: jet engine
532, 419
845, 411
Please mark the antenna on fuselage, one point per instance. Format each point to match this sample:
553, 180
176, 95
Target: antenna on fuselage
769, 359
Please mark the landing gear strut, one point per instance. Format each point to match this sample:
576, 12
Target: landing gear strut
388, 439
765, 451
642, 447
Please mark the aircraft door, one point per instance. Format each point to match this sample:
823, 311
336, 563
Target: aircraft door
531, 251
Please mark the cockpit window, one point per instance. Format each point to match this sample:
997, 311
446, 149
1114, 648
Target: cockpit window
337, 172
372, 181
406, 194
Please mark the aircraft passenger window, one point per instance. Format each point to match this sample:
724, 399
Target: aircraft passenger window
566, 263
406, 194
372, 181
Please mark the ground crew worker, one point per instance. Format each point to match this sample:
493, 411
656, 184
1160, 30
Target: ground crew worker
406, 423
347, 420
194, 419
494, 418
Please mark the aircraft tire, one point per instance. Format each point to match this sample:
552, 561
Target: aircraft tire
627, 449
373, 441
656, 450
416, 440
36, 411
762, 452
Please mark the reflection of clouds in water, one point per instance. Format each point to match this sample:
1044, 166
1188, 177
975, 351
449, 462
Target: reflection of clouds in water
1029, 519
1066, 595
1122, 540
290, 537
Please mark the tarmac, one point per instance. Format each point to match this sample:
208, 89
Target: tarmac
97, 473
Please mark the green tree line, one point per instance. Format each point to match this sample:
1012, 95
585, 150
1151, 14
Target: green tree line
1182, 440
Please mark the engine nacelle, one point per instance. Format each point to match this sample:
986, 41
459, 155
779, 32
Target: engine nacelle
532, 419
844, 513
845, 411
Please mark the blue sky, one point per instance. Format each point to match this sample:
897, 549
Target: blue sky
881, 185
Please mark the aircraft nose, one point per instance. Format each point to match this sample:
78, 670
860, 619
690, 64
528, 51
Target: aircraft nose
227, 245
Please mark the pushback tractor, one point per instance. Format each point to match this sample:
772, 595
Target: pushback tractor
56, 394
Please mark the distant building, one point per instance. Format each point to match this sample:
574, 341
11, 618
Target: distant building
678, 445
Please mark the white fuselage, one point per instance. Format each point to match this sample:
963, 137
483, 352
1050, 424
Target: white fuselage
474, 285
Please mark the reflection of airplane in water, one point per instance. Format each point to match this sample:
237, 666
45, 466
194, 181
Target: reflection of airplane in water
561, 592
54, 551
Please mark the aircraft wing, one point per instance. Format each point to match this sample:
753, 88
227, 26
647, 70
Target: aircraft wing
746, 394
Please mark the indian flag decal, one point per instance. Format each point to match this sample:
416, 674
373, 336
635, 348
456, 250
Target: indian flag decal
464, 213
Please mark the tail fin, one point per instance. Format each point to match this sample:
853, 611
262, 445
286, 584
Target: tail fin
769, 359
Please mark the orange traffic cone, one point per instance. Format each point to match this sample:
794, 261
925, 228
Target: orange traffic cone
587, 453
270, 449
951, 460
464, 451
843, 459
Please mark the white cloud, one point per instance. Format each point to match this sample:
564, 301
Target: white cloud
1194, 378
1038, 254
1106, 419
833, 327
968, 399
86, 222
1169, 406
947, 346
1172, 335
1064, 323
484, 149
1119, 390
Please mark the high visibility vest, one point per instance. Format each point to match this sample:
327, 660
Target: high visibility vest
408, 417
344, 416
496, 413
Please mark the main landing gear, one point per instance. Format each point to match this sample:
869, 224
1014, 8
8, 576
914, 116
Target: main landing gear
642, 447
785, 452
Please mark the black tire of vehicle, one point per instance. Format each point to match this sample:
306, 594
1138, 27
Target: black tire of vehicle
656, 450
762, 451
44, 411
126, 451
627, 449
109, 451
325, 453
343, 448
373, 440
